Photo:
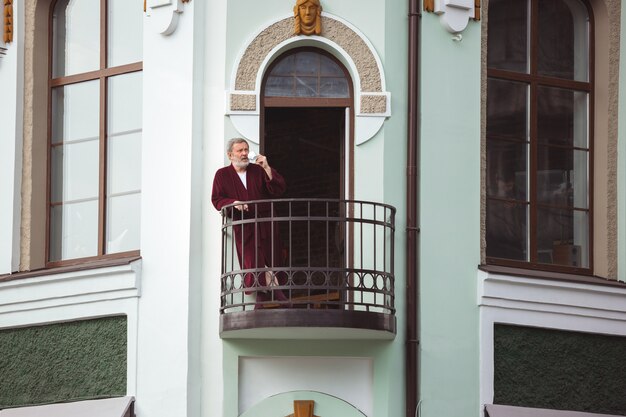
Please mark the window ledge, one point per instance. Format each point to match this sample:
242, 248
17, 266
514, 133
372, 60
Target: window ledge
549, 275
100, 263
71, 287
496, 410
537, 292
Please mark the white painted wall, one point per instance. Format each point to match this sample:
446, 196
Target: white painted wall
163, 335
351, 379
213, 159
11, 105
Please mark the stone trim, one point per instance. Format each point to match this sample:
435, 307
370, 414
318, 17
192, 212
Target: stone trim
332, 29
373, 104
243, 102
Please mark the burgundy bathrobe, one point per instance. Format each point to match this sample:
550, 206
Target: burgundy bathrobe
228, 188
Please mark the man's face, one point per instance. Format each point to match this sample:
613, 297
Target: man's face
239, 155
308, 12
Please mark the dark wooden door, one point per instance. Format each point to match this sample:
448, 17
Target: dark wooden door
306, 145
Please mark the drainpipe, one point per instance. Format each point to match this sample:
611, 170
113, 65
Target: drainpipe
412, 279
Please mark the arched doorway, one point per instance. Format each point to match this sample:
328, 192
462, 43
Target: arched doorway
306, 113
306, 133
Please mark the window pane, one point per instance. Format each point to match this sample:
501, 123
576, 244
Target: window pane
507, 230
124, 173
125, 32
563, 237
507, 114
75, 37
330, 67
75, 112
563, 47
279, 87
507, 48
74, 171
307, 63
74, 230
506, 170
306, 87
125, 131
123, 223
562, 117
334, 87
562, 177
286, 66
125, 103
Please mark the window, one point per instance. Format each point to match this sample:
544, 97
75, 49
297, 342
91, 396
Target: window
307, 73
95, 125
539, 134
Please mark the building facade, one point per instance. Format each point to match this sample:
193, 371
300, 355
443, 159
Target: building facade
450, 241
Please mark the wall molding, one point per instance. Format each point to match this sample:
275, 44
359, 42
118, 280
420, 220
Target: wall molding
543, 303
339, 38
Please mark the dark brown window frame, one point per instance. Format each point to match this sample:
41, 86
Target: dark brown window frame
102, 75
533, 81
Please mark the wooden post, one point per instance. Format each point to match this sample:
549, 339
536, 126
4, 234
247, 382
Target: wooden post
303, 409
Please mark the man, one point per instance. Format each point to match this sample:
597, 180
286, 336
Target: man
257, 243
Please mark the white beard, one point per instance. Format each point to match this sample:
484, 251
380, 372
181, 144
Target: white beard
241, 164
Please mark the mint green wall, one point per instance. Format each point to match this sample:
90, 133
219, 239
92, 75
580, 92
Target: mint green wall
244, 21
282, 405
63, 362
386, 376
380, 175
449, 201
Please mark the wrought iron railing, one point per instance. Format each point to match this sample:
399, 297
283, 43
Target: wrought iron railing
308, 254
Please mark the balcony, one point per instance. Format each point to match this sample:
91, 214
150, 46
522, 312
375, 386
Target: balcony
313, 268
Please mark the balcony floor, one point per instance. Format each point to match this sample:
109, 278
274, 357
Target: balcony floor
307, 324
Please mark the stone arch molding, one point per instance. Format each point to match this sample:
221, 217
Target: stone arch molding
351, 47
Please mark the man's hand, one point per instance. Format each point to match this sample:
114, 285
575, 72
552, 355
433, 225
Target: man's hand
241, 206
261, 160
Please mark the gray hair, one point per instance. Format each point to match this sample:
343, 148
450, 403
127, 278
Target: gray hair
233, 141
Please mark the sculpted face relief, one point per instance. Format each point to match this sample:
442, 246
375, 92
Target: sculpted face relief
307, 13
308, 17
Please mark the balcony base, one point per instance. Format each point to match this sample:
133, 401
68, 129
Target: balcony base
307, 324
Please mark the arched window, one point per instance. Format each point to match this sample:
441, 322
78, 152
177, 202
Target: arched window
307, 74
95, 127
539, 134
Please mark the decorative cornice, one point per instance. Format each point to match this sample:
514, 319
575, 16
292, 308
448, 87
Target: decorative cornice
164, 14
454, 14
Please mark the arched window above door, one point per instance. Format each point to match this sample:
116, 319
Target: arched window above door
307, 74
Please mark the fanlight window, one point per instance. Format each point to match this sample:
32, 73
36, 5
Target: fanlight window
307, 74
